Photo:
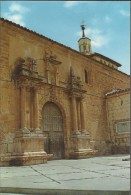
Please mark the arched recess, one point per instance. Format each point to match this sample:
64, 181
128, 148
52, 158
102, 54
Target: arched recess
53, 129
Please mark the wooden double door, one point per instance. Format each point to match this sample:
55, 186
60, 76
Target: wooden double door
52, 122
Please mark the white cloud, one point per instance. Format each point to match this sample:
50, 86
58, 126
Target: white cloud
99, 41
17, 18
94, 21
15, 7
124, 13
98, 37
71, 3
108, 19
16, 13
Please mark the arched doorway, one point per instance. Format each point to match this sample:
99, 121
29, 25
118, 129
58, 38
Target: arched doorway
52, 125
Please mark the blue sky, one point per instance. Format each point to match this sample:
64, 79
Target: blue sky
107, 24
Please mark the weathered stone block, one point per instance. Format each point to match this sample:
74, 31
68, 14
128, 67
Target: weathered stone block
28, 149
3, 148
10, 147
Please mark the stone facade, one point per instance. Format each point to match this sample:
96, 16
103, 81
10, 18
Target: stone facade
37, 71
118, 115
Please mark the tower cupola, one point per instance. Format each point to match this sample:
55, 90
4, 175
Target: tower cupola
84, 42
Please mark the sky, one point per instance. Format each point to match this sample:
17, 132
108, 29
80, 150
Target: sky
107, 24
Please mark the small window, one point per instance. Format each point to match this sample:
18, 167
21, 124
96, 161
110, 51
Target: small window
84, 47
123, 127
86, 76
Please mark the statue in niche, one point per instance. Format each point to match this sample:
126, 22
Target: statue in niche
75, 81
31, 63
51, 67
19, 64
26, 67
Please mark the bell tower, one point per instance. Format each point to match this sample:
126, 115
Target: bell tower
84, 42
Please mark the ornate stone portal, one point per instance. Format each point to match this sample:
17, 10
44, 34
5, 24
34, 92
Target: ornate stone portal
29, 140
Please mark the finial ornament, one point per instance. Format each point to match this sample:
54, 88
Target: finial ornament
83, 28
83, 22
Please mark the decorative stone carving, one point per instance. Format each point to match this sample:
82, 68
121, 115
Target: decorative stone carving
52, 67
74, 81
32, 64
52, 93
24, 67
52, 58
25, 73
20, 62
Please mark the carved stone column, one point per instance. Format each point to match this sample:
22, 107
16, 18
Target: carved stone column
74, 114
36, 110
79, 115
83, 124
23, 107
47, 72
31, 109
57, 76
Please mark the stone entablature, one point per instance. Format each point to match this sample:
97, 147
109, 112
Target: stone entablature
105, 60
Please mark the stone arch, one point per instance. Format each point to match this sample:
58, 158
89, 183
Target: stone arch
59, 104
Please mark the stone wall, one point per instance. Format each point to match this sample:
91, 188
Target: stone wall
118, 112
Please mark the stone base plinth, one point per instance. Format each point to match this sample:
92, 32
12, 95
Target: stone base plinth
4, 160
29, 159
28, 148
49, 157
81, 147
82, 153
24, 159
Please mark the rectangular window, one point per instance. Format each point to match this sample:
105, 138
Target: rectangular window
86, 76
123, 127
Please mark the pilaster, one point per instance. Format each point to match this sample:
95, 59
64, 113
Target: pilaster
36, 110
79, 115
82, 111
74, 114
23, 107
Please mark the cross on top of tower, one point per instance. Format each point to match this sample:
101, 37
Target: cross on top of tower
83, 28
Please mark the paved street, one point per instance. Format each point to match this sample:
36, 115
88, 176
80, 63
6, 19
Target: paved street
97, 175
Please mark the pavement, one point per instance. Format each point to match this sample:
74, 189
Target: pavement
107, 175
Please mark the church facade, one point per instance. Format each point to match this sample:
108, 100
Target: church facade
53, 99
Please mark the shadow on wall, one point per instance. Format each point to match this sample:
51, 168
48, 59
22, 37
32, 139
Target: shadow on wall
15, 162
120, 149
